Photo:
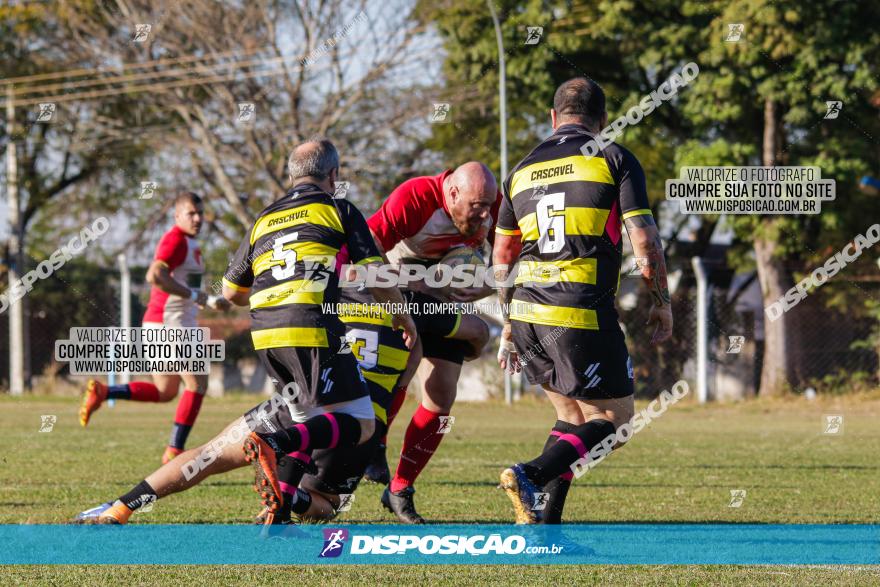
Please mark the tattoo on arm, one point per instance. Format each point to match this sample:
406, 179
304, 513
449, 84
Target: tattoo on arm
652, 263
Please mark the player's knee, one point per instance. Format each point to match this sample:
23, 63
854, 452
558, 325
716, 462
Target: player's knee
166, 394
481, 336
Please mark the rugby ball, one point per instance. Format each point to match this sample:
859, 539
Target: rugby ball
457, 257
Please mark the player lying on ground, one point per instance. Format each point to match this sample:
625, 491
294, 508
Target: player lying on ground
422, 220
387, 365
565, 336
284, 269
175, 297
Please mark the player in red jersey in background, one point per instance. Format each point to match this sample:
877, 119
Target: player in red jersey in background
422, 220
175, 298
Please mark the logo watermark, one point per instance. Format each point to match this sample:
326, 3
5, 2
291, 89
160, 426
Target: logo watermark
346, 500
148, 188
737, 497
334, 540
664, 92
46, 112
446, 423
832, 424
142, 33
533, 35
75, 246
832, 266
262, 414
735, 344
832, 109
440, 113
47, 423
734, 33
627, 430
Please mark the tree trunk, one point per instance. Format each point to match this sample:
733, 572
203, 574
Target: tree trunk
778, 369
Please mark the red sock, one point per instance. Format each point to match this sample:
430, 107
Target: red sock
141, 391
419, 443
393, 409
188, 408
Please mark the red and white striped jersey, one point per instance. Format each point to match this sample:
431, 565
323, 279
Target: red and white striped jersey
183, 257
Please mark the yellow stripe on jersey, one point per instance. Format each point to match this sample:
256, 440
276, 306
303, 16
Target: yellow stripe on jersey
506, 232
642, 212
578, 222
380, 413
392, 358
363, 313
319, 214
235, 286
554, 315
574, 168
369, 260
299, 291
570, 271
271, 338
383, 380
305, 251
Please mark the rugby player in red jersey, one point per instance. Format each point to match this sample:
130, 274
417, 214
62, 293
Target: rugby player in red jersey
176, 295
421, 221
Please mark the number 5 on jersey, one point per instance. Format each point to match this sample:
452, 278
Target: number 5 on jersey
285, 256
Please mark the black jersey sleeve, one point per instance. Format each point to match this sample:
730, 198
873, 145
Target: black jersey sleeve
240, 271
361, 246
630, 179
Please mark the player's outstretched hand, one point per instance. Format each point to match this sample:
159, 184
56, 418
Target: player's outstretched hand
405, 323
508, 358
220, 303
662, 317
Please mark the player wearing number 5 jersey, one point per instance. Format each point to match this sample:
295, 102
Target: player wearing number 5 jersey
562, 218
284, 270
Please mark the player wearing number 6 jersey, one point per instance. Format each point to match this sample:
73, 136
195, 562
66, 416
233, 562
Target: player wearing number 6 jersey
561, 217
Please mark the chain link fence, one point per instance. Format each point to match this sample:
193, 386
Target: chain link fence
833, 349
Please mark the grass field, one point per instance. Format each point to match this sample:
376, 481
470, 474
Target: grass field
680, 469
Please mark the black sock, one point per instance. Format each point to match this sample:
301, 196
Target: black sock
330, 430
302, 503
291, 469
119, 391
179, 434
141, 495
559, 457
557, 489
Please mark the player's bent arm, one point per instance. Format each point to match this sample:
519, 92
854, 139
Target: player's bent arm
505, 254
239, 297
159, 276
648, 250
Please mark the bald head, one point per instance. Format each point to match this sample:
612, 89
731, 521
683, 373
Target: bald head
313, 160
470, 191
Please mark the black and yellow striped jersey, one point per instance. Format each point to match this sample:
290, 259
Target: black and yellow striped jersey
379, 349
287, 262
568, 209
